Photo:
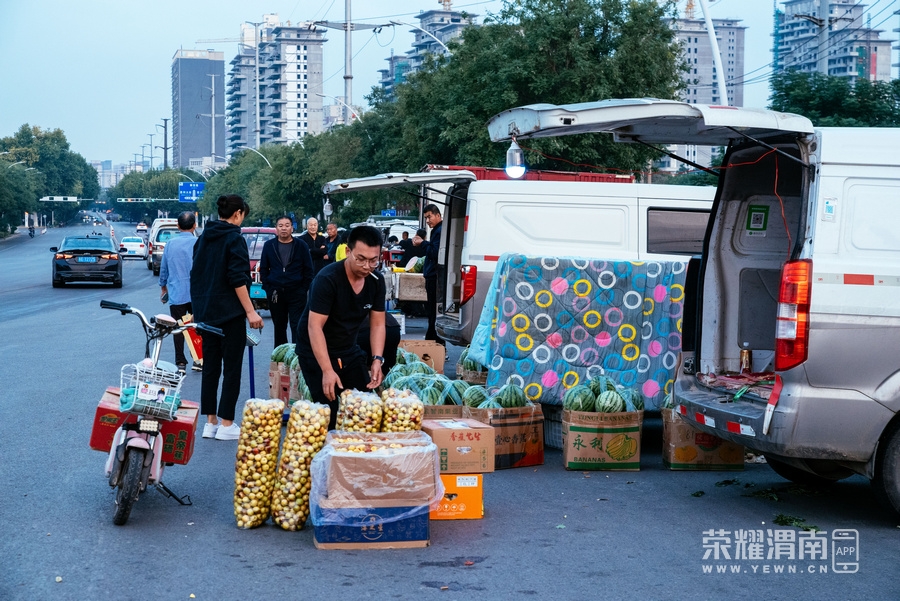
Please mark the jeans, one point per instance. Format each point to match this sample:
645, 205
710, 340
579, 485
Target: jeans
223, 355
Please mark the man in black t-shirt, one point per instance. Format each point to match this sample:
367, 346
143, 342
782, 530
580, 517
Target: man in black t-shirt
341, 297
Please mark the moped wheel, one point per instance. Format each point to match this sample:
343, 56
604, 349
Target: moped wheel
129, 485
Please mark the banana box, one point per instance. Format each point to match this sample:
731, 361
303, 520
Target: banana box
602, 441
688, 449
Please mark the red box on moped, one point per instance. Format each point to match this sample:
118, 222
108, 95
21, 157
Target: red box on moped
178, 435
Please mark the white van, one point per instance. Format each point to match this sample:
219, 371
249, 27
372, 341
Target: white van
485, 219
800, 270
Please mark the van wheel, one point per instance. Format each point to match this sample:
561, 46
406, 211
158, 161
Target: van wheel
886, 482
800, 476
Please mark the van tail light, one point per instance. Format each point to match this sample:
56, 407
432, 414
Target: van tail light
469, 275
792, 323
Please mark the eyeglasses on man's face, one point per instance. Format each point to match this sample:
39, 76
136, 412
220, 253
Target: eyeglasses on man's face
371, 262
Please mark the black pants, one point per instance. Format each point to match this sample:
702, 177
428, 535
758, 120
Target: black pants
431, 307
353, 370
223, 355
286, 307
177, 312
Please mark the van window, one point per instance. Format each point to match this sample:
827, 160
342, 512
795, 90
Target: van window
164, 235
676, 231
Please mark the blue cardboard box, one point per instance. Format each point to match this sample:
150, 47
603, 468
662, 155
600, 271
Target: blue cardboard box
370, 525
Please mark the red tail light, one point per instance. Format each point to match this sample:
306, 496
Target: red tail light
469, 275
792, 325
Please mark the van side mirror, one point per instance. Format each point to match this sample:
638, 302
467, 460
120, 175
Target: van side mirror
54, 249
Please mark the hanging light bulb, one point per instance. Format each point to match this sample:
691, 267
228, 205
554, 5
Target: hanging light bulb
515, 161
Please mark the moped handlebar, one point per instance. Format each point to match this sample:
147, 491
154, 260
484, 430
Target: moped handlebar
205, 328
105, 304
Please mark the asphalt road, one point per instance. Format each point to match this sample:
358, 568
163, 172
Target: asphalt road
547, 533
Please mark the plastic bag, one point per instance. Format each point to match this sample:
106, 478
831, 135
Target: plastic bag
359, 411
257, 456
403, 411
306, 432
391, 471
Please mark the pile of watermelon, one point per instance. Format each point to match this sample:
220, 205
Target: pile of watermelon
507, 397
420, 378
603, 395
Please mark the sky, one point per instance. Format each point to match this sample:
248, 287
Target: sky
100, 70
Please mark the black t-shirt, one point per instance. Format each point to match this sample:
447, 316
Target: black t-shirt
331, 294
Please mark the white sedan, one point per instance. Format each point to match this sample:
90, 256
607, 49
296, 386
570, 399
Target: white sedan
135, 247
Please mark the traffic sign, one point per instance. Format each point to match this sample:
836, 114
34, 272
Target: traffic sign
59, 199
388, 212
190, 191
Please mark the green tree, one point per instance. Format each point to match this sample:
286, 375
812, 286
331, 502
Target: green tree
553, 51
830, 101
57, 171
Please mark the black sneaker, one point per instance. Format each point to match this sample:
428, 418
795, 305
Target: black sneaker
197, 366
182, 368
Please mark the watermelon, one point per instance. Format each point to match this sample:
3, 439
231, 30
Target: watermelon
431, 396
453, 393
634, 400
610, 401
419, 367
295, 363
669, 402
511, 395
289, 355
440, 382
579, 398
474, 396
600, 384
280, 350
401, 357
463, 355
490, 404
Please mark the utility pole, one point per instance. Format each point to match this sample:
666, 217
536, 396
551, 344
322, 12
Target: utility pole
212, 118
348, 27
151, 151
824, 26
165, 146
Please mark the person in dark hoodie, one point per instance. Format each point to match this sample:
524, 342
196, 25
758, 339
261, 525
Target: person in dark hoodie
286, 272
220, 297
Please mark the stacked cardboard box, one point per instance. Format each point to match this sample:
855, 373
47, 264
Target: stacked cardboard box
518, 434
178, 435
687, 448
602, 441
428, 351
280, 382
466, 451
374, 492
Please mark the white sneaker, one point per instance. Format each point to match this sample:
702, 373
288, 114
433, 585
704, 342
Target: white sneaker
209, 430
231, 432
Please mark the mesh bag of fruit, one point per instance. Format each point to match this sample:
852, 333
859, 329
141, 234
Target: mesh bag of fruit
257, 456
306, 432
359, 411
403, 411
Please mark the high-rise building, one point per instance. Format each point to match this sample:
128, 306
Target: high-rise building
444, 25
287, 78
854, 49
198, 106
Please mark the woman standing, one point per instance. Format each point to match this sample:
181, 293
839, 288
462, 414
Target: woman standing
220, 296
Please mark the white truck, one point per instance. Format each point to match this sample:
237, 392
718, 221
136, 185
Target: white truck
484, 219
797, 351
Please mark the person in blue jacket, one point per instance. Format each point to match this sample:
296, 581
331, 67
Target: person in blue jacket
286, 271
220, 297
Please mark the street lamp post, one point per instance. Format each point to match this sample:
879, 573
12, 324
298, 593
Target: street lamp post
257, 152
426, 32
353, 113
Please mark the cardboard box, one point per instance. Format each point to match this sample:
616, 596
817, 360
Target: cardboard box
687, 448
518, 434
464, 445
407, 473
463, 498
371, 525
602, 441
411, 287
279, 382
178, 435
443, 411
428, 351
